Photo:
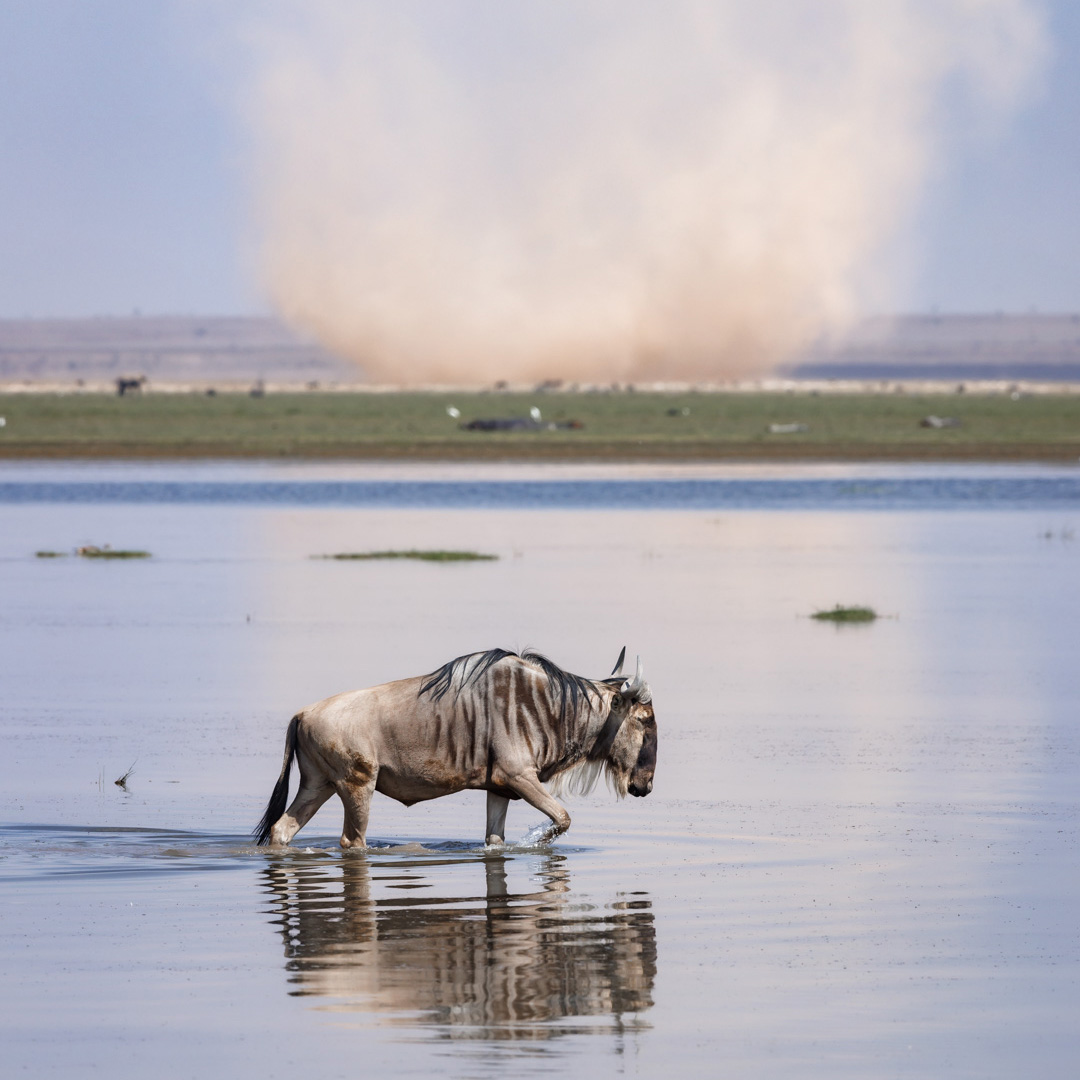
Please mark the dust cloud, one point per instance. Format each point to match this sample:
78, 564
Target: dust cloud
470, 190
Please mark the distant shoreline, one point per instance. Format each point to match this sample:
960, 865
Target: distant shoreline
611, 453
234, 351
833, 385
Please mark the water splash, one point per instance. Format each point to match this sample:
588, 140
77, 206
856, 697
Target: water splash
536, 837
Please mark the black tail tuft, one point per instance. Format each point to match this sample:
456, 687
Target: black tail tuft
280, 797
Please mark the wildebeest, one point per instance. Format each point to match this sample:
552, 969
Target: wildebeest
493, 721
129, 384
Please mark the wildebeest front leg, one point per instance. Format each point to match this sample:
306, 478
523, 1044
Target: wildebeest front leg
356, 798
496, 818
528, 786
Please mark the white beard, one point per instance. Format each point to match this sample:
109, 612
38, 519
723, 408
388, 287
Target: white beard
580, 779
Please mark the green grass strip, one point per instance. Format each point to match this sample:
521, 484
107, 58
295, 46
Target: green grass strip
424, 556
840, 614
615, 426
91, 551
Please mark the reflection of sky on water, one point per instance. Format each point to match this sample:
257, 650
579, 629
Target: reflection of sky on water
233, 615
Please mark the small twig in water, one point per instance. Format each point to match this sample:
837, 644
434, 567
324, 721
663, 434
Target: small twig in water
122, 782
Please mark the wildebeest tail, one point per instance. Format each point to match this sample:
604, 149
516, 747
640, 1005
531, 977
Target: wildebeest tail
280, 797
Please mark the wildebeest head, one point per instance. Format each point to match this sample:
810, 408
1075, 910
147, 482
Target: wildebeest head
631, 760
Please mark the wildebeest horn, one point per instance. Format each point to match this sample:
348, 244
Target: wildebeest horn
617, 669
637, 687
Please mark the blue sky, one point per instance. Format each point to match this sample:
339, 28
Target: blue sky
122, 182
999, 229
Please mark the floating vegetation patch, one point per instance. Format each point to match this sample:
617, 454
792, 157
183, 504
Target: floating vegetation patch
92, 551
841, 614
50, 554
424, 556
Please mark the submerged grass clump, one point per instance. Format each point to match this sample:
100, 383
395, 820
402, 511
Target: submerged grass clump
92, 551
842, 614
50, 554
425, 556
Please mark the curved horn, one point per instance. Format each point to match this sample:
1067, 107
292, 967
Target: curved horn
617, 669
637, 687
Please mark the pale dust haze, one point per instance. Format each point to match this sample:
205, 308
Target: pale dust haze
470, 190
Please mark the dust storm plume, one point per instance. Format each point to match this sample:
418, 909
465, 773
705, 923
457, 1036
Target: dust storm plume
469, 190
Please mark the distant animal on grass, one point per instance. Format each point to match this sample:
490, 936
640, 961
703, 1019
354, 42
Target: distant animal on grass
126, 384
492, 721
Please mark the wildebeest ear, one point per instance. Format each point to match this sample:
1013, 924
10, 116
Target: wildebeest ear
617, 669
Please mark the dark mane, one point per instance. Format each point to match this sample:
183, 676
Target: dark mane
571, 691
439, 682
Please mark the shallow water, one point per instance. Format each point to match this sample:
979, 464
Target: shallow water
860, 857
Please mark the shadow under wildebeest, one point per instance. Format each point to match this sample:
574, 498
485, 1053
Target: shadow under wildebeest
496, 965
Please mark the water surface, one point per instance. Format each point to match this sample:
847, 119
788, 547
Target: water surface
900, 487
860, 857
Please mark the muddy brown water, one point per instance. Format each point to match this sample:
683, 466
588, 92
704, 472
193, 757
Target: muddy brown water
860, 857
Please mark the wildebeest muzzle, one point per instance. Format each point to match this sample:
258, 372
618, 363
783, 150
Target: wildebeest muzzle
641, 779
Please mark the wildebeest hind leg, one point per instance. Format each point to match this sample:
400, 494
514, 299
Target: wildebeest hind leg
307, 802
528, 786
356, 798
496, 818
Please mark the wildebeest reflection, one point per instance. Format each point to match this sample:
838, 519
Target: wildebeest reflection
499, 965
